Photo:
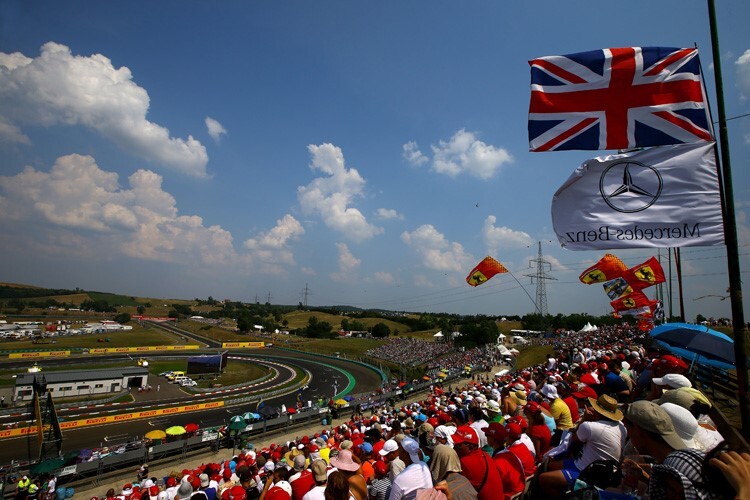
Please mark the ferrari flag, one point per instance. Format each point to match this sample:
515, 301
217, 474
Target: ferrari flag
484, 271
666, 196
608, 268
646, 274
620, 98
635, 300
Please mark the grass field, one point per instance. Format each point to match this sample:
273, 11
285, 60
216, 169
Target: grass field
139, 336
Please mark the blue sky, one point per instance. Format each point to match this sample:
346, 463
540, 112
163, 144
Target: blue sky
375, 151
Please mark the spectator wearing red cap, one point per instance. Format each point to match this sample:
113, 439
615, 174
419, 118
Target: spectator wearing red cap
538, 431
281, 490
521, 446
380, 487
509, 467
476, 465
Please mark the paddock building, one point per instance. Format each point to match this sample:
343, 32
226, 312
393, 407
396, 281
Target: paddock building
78, 383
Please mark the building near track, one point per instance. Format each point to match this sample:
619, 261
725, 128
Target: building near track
78, 383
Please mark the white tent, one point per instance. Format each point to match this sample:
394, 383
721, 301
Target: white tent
439, 334
501, 336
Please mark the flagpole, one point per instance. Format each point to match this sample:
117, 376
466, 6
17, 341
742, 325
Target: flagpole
730, 236
678, 267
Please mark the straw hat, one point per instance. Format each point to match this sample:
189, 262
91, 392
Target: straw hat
607, 406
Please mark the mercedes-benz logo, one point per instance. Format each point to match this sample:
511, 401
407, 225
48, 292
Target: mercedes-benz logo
629, 186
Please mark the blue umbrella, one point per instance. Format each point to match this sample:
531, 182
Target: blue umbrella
697, 341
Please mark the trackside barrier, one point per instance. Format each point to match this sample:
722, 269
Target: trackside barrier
108, 419
97, 469
39, 354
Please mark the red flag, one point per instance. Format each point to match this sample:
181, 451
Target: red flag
635, 300
609, 267
645, 324
484, 271
644, 275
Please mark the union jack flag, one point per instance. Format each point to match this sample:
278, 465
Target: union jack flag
619, 98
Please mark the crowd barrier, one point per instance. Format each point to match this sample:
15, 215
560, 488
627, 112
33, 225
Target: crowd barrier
211, 438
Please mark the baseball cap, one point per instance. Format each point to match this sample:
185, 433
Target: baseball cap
366, 447
495, 430
651, 417
380, 467
319, 470
299, 462
465, 434
389, 447
514, 430
280, 491
673, 380
411, 447
532, 407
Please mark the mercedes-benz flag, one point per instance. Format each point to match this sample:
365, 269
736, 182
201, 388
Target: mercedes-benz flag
666, 196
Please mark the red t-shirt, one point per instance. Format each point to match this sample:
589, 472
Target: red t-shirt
304, 483
474, 466
511, 473
524, 454
542, 432
573, 405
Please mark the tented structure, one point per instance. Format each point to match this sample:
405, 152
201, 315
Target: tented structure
588, 328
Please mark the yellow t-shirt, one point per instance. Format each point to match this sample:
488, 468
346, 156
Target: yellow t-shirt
561, 413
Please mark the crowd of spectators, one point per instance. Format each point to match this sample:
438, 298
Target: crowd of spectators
409, 351
602, 412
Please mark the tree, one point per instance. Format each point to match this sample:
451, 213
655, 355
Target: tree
700, 319
141, 309
480, 333
318, 329
244, 323
122, 318
381, 330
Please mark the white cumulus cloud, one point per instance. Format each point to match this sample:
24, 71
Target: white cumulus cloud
465, 154
331, 196
743, 74
437, 252
140, 221
388, 213
413, 155
59, 88
273, 246
215, 129
497, 238
348, 264
78, 205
